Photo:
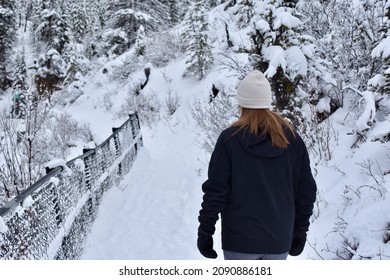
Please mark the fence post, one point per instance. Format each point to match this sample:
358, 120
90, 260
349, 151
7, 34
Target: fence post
135, 127
55, 200
87, 170
133, 131
139, 128
117, 148
116, 141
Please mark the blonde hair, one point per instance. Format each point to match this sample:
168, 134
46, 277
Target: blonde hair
270, 123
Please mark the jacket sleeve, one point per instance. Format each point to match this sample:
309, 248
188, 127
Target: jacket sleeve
305, 195
216, 188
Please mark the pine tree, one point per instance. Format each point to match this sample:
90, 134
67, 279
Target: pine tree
278, 49
198, 51
173, 11
22, 10
20, 87
157, 11
366, 36
140, 41
73, 70
50, 74
122, 25
53, 29
127, 16
245, 11
386, 66
97, 15
78, 19
183, 7
7, 37
62, 30
382, 51
36, 7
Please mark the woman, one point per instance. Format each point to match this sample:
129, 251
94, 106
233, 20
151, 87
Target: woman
259, 180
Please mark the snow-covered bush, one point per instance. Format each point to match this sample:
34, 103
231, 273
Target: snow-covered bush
64, 133
148, 108
146, 104
352, 211
346, 34
162, 48
76, 62
130, 64
26, 146
114, 42
317, 133
171, 103
22, 150
212, 118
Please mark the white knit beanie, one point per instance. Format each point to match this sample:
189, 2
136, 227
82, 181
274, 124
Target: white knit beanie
254, 91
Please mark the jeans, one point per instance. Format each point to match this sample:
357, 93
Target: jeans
229, 255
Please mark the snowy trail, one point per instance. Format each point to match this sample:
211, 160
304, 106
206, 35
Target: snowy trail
153, 213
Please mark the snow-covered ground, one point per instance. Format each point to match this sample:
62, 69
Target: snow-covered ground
153, 213
353, 206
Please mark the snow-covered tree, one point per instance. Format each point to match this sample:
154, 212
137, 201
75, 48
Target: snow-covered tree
62, 30
20, 87
53, 28
78, 21
163, 47
97, 14
381, 81
125, 18
173, 10
113, 42
140, 41
50, 73
183, 7
35, 8
72, 69
22, 10
278, 48
7, 37
346, 33
22, 150
245, 11
158, 11
198, 51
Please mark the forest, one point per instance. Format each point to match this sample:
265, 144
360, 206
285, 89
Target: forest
322, 57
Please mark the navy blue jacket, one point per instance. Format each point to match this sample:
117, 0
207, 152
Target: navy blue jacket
261, 191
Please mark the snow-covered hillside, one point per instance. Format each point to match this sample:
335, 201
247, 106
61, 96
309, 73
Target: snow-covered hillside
351, 218
153, 214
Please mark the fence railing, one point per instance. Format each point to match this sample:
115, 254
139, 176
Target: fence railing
51, 219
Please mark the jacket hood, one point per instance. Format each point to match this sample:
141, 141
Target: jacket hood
259, 145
